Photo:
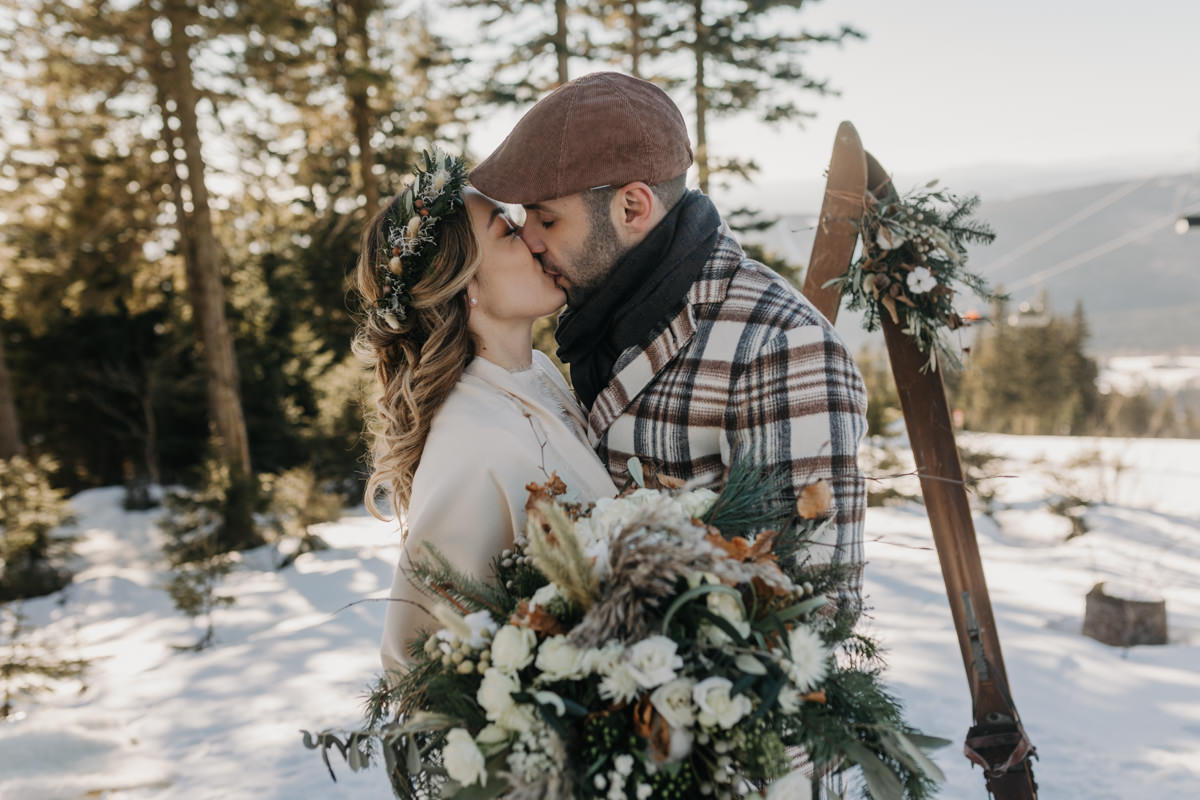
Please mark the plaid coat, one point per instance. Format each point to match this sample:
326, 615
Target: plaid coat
748, 368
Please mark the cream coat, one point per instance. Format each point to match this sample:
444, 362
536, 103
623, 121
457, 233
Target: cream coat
489, 439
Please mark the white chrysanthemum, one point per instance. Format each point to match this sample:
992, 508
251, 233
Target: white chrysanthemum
810, 659
789, 699
462, 759
618, 684
718, 706
673, 700
654, 660
921, 280
512, 648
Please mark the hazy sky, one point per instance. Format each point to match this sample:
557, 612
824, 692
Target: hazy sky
940, 84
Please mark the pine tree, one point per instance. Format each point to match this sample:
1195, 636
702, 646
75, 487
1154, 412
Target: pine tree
745, 57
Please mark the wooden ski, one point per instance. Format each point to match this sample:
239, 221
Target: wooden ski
996, 740
837, 227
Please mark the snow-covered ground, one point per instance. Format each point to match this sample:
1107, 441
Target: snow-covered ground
152, 722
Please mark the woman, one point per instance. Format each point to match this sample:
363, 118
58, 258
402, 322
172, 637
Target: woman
469, 413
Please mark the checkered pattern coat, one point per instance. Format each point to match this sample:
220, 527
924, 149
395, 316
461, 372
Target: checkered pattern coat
748, 369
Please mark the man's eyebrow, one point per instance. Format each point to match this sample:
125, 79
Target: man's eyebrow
535, 207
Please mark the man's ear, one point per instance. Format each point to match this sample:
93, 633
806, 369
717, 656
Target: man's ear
637, 210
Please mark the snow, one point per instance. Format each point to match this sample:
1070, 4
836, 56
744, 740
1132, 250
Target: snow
153, 722
1129, 374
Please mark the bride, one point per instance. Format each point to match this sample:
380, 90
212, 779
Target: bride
469, 412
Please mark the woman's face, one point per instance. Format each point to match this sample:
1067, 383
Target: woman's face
509, 284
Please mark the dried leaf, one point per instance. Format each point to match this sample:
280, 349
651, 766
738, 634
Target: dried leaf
536, 619
815, 499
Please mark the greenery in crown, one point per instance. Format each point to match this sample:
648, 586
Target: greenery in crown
665, 643
410, 229
914, 248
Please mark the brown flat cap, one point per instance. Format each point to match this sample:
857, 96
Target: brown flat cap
603, 129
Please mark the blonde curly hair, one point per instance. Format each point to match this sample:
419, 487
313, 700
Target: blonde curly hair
418, 363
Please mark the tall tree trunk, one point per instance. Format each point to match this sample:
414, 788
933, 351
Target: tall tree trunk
208, 294
701, 92
560, 39
356, 89
635, 39
10, 428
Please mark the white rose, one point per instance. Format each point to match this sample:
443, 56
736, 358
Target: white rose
697, 503
491, 736
717, 706
518, 718
481, 627
495, 692
558, 659
653, 661
602, 659
462, 759
674, 701
725, 605
809, 661
512, 648
887, 240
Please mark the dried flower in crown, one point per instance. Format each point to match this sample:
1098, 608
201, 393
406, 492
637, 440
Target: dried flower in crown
410, 230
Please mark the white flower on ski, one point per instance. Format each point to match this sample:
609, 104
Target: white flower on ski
653, 661
559, 660
887, 239
810, 658
481, 626
512, 648
921, 280
462, 759
673, 700
717, 705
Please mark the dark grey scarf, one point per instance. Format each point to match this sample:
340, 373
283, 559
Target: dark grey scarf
647, 284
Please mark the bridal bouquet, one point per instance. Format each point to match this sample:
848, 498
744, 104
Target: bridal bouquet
665, 643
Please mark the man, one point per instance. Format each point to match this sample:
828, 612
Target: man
687, 353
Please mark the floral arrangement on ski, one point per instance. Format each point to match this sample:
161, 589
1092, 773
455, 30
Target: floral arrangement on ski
666, 643
914, 249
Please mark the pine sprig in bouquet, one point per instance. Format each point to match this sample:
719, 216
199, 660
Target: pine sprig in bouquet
914, 249
665, 643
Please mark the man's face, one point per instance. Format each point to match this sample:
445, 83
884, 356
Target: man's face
573, 246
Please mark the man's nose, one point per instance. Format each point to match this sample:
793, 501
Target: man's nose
531, 240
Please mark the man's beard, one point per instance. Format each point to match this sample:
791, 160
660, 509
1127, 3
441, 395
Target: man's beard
595, 260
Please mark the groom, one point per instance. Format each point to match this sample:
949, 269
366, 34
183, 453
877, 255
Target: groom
686, 352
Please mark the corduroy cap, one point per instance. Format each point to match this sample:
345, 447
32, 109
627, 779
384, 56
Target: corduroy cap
603, 129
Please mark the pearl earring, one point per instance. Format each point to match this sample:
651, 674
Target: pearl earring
474, 302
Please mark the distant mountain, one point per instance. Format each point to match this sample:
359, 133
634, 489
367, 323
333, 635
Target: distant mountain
1111, 246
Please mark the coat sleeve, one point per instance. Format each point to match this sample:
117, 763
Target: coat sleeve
800, 405
464, 505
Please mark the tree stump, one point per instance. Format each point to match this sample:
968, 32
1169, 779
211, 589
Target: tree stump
1124, 616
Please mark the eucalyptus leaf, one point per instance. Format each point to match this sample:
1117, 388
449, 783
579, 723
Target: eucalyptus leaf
910, 754
635, 471
881, 781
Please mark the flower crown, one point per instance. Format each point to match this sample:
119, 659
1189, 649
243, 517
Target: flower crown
410, 230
